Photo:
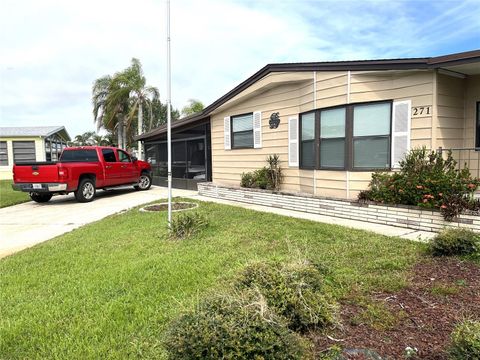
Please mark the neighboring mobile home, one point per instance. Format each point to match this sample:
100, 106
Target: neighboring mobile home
332, 123
32, 143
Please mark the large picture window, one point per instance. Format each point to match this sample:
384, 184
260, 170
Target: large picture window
242, 131
350, 137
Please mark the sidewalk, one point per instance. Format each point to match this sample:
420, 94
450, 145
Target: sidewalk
377, 228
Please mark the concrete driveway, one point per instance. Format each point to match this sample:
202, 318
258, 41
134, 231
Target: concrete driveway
27, 224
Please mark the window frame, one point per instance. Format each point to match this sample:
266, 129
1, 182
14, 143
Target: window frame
349, 138
315, 140
114, 154
128, 157
6, 154
232, 140
477, 126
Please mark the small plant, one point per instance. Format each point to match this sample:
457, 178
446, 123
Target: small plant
454, 241
187, 224
269, 177
234, 326
465, 343
294, 291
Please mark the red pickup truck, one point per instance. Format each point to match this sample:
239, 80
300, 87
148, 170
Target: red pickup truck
81, 170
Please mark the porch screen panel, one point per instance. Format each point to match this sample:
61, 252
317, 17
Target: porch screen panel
23, 151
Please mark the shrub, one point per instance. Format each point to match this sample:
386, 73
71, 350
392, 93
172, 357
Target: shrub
465, 341
425, 179
187, 224
294, 291
266, 177
454, 241
247, 180
241, 326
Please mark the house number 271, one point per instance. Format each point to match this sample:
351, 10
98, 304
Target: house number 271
421, 110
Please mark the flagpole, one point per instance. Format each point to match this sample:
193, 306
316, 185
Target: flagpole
169, 120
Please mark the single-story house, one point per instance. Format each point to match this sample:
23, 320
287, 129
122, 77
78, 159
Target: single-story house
332, 123
32, 143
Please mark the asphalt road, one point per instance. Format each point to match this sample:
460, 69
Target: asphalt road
27, 224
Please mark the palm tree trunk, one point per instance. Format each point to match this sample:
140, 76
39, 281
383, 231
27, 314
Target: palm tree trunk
140, 130
120, 135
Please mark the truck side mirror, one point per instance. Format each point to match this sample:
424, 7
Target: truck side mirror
134, 158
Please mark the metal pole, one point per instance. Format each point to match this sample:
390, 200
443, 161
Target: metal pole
169, 120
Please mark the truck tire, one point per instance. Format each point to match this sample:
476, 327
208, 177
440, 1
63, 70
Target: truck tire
86, 191
40, 198
144, 182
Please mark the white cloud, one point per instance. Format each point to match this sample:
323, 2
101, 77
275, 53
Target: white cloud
52, 51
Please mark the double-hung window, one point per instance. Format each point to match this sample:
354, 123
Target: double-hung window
242, 131
350, 137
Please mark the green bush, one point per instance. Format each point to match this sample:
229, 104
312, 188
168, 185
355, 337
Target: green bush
266, 177
465, 341
241, 326
454, 241
425, 179
187, 224
294, 291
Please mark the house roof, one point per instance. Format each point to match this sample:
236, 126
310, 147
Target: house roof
464, 63
33, 131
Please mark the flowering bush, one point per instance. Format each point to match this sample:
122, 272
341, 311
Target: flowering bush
425, 179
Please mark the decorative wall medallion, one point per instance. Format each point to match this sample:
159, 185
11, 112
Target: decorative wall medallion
274, 120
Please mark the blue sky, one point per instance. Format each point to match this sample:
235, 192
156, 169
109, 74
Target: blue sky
52, 51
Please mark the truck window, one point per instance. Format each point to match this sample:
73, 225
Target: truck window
79, 156
123, 156
108, 155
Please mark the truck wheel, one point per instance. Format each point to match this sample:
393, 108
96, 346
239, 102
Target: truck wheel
85, 191
40, 198
144, 182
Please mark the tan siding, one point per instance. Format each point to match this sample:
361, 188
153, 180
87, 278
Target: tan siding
472, 96
449, 127
292, 98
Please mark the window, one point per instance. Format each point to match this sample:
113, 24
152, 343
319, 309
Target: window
123, 156
79, 156
242, 131
351, 137
371, 136
307, 144
477, 138
108, 155
3, 153
23, 151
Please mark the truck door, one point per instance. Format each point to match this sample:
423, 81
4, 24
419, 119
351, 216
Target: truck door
128, 169
112, 168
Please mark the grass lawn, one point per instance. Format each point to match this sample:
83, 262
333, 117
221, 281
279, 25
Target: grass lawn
108, 289
8, 196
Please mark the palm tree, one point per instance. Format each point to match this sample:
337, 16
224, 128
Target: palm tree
141, 97
193, 107
110, 103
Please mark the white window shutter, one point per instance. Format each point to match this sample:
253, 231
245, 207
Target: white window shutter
401, 124
226, 132
257, 129
293, 141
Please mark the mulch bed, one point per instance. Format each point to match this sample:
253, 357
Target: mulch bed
442, 292
164, 207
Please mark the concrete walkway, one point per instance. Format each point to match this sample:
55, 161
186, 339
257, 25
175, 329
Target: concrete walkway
27, 224
377, 228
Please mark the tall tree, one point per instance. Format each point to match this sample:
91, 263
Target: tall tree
119, 102
193, 107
